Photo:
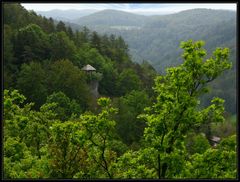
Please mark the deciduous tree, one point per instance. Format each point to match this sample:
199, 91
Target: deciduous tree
177, 107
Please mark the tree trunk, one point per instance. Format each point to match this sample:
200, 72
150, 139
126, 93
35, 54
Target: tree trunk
164, 169
159, 167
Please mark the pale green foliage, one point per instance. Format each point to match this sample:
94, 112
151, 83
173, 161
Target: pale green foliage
20, 163
197, 143
228, 143
100, 130
38, 145
136, 164
65, 107
17, 158
219, 162
11, 99
66, 149
25, 132
177, 107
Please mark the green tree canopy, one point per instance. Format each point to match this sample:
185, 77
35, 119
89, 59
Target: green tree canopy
127, 81
70, 80
31, 82
31, 43
61, 47
128, 126
177, 107
61, 27
65, 107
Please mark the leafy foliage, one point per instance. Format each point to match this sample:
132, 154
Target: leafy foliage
70, 80
61, 46
32, 82
31, 43
65, 107
128, 126
212, 163
128, 81
154, 37
177, 106
51, 130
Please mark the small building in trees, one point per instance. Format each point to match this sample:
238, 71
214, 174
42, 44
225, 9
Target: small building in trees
215, 140
93, 79
89, 69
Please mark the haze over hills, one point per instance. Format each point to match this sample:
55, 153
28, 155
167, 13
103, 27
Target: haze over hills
156, 38
66, 15
111, 18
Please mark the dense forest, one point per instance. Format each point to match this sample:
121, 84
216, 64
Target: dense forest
141, 125
217, 27
156, 39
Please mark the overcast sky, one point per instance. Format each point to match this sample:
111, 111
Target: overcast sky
140, 8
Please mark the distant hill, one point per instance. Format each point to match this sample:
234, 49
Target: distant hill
66, 15
111, 18
157, 38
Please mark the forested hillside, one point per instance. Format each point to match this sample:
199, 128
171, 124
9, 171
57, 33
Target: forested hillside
112, 18
141, 125
156, 39
66, 15
217, 27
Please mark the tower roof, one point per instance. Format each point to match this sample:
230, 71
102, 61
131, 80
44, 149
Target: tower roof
88, 67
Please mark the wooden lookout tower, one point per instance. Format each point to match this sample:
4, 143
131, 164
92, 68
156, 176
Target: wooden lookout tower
88, 68
93, 83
